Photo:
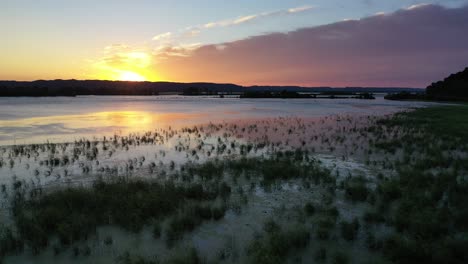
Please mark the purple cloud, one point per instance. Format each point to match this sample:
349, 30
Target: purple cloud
411, 47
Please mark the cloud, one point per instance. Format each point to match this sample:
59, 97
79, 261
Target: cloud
417, 6
248, 18
299, 9
136, 59
170, 38
192, 33
410, 47
167, 51
170, 42
115, 47
245, 19
163, 36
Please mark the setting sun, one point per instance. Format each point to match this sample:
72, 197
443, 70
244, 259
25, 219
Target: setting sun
131, 76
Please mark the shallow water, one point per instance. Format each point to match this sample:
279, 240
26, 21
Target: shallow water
59, 119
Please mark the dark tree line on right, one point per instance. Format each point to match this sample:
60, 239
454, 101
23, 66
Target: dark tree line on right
452, 88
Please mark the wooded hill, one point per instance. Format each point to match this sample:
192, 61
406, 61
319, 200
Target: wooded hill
97, 87
454, 87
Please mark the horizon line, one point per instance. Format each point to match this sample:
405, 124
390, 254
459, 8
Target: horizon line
227, 83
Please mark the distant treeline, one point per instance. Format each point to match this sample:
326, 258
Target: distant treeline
96, 87
452, 88
291, 95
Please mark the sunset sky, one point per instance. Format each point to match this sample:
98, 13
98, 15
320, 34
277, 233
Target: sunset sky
275, 42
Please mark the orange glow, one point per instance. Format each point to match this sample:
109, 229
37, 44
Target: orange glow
99, 124
123, 64
131, 76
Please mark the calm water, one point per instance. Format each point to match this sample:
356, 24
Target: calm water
37, 120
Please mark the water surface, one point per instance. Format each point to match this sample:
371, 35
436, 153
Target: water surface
58, 119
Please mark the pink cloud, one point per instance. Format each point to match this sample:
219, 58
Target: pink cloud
411, 47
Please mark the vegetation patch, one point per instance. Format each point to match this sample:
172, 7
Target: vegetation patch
75, 213
426, 201
276, 243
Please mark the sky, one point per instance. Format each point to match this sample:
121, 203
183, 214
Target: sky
385, 43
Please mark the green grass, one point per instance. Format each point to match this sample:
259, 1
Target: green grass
426, 202
276, 243
185, 256
9, 242
349, 230
281, 166
445, 122
189, 219
356, 189
73, 214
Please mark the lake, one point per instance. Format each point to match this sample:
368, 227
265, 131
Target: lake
58, 119
61, 119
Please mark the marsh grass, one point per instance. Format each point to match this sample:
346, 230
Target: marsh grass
181, 256
349, 230
428, 197
280, 166
276, 243
127, 258
9, 242
340, 257
197, 193
356, 188
187, 256
74, 214
189, 219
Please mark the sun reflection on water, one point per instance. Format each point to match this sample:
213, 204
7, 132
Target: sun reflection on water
70, 127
